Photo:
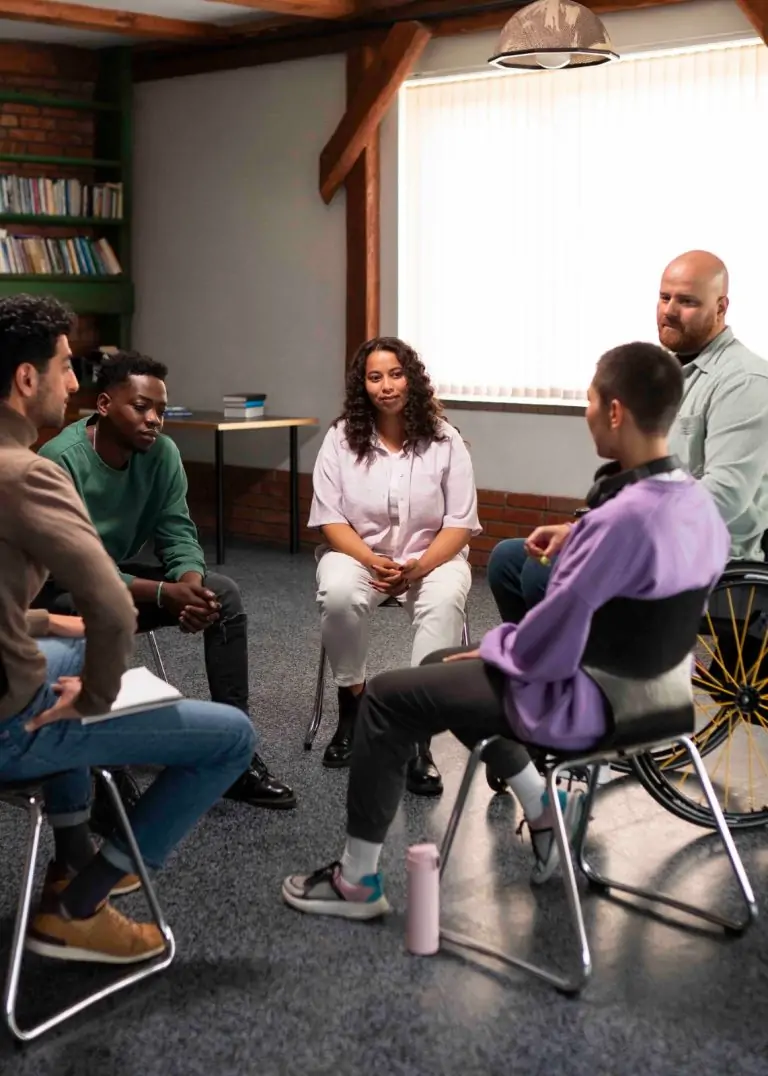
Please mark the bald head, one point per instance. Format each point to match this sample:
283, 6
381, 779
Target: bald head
693, 300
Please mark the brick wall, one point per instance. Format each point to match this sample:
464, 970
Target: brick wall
256, 508
46, 131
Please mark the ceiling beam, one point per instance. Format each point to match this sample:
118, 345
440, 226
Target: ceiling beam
757, 13
81, 17
276, 40
402, 46
305, 9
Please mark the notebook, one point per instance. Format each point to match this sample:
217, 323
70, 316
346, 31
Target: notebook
139, 690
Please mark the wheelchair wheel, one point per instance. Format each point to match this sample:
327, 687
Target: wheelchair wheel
730, 682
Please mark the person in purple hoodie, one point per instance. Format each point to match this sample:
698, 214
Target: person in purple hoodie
655, 532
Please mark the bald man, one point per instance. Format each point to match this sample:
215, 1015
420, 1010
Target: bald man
720, 433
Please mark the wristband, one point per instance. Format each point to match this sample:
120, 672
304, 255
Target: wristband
160, 594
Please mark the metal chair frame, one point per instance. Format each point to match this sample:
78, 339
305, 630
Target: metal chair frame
156, 657
27, 797
317, 707
574, 982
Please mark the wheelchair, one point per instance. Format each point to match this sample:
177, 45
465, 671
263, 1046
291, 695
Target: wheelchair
730, 679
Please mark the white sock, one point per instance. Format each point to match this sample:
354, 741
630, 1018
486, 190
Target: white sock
529, 787
359, 859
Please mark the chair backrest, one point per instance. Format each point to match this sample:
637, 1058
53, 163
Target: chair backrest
638, 652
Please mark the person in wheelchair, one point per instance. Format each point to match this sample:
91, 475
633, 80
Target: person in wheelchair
394, 496
132, 481
720, 433
653, 533
48, 685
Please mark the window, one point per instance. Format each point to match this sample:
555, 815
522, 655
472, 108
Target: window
537, 211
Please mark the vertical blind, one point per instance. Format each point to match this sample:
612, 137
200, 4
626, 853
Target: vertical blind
538, 210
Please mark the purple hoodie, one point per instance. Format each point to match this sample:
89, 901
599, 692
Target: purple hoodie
657, 538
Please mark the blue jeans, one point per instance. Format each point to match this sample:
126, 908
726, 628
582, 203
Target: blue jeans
517, 581
204, 747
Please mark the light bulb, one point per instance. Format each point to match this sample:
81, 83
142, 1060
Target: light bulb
553, 61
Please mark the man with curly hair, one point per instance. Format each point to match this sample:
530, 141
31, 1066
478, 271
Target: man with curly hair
395, 499
51, 677
132, 481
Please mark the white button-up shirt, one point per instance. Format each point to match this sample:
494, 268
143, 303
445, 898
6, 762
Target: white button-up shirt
435, 488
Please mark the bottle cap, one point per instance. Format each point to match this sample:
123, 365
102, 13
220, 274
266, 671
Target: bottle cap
422, 855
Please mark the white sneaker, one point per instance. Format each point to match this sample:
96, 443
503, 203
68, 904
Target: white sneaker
543, 841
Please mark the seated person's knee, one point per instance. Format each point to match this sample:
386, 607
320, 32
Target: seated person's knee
341, 596
506, 556
227, 594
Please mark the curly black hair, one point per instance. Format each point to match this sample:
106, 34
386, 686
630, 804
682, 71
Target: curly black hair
422, 412
30, 326
115, 369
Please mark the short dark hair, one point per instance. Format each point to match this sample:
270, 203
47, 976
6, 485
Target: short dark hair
646, 379
115, 369
30, 325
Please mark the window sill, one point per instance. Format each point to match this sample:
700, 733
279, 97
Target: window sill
535, 407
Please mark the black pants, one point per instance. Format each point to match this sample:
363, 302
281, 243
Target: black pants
225, 642
407, 705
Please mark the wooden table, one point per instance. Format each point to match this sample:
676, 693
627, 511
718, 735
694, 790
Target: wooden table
214, 420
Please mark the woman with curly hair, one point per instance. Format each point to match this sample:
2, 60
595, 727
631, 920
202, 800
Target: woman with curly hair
395, 499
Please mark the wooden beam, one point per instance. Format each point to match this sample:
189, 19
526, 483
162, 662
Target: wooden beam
757, 13
275, 41
306, 9
81, 17
363, 189
402, 46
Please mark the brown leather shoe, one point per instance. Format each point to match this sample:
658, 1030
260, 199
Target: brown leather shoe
108, 937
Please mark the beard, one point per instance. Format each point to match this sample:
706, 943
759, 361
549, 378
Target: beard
48, 411
682, 341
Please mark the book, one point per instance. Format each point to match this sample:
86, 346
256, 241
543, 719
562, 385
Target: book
140, 690
243, 398
244, 412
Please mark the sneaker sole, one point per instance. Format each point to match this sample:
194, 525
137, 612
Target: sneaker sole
85, 956
341, 909
123, 891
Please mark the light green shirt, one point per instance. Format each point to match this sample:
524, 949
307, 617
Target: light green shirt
721, 437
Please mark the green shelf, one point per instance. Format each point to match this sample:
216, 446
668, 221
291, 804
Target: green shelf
85, 294
47, 100
53, 218
69, 162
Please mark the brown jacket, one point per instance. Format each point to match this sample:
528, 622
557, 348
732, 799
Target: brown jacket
44, 527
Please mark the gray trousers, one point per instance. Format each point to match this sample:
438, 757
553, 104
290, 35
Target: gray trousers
410, 706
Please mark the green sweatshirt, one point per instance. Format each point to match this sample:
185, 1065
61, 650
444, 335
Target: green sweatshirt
146, 501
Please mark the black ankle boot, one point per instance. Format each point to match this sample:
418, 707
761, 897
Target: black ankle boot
339, 750
423, 777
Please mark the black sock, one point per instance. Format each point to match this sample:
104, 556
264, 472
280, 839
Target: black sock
90, 887
74, 845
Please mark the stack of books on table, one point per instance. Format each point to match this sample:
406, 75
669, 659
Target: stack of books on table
244, 405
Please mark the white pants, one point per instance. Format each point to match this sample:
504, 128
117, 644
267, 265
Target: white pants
435, 605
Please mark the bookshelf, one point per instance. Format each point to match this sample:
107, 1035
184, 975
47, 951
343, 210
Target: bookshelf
100, 156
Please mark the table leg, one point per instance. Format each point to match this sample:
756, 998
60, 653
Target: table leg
219, 496
294, 488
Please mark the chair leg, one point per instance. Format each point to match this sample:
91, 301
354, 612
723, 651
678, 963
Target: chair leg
143, 971
159, 667
35, 815
317, 709
566, 984
737, 926
465, 630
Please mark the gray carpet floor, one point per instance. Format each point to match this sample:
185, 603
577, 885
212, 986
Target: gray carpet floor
258, 988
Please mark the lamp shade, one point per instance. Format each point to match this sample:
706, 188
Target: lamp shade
551, 34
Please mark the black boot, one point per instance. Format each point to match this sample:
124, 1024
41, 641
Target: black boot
339, 750
423, 775
258, 788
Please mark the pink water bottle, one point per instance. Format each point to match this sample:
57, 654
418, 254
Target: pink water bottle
423, 919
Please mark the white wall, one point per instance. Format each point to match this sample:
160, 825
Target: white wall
240, 267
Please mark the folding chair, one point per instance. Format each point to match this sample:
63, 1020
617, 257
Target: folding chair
27, 796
